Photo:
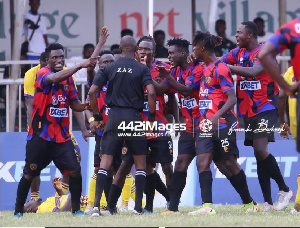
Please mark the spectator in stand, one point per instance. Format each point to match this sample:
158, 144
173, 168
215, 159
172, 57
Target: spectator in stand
114, 47
262, 36
159, 37
117, 54
126, 32
227, 45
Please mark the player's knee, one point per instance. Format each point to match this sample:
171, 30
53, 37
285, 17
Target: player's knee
75, 173
29, 177
181, 165
167, 168
203, 163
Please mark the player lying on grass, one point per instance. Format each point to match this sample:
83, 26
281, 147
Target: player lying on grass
57, 203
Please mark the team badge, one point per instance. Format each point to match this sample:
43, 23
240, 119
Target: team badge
124, 150
33, 166
208, 80
66, 87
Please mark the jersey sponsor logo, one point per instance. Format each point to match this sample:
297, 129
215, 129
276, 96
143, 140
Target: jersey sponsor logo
58, 112
107, 110
189, 103
124, 70
205, 104
250, 85
297, 27
203, 92
146, 106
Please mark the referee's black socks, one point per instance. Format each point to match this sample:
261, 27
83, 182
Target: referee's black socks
112, 200
22, 192
75, 187
161, 187
100, 185
140, 179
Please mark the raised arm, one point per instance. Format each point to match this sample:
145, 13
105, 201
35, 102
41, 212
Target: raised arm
250, 72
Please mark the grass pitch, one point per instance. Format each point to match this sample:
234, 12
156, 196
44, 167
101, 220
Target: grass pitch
227, 215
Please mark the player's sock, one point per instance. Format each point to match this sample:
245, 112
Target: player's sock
205, 180
107, 187
274, 172
239, 182
177, 186
114, 194
65, 187
35, 195
22, 192
75, 191
100, 185
92, 190
140, 179
264, 181
126, 191
297, 199
150, 191
161, 187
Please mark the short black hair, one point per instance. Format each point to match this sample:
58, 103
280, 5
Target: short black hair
158, 32
89, 45
43, 56
179, 43
54, 46
221, 21
104, 52
116, 51
259, 20
148, 38
126, 31
251, 27
114, 47
210, 41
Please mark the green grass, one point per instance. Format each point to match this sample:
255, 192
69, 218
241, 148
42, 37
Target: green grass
228, 215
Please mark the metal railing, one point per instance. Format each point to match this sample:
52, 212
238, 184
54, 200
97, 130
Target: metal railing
80, 83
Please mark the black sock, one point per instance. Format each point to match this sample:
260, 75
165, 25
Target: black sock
161, 187
140, 180
75, 187
272, 167
239, 182
107, 187
22, 192
114, 194
100, 185
176, 188
150, 191
205, 180
264, 181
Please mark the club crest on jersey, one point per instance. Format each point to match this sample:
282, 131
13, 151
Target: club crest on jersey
33, 166
297, 27
205, 104
189, 103
124, 150
58, 112
250, 85
66, 87
207, 80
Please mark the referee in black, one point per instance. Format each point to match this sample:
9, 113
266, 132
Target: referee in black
126, 80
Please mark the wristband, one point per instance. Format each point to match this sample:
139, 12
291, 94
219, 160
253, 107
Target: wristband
98, 117
91, 119
151, 117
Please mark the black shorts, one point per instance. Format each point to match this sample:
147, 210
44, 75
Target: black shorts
39, 154
221, 144
186, 143
160, 150
112, 140
260, 126
97, 151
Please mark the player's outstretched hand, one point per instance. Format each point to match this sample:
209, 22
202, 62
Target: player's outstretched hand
57, 183
285, 131
163, 71
86, 134
103, 35
293, 89
91, 62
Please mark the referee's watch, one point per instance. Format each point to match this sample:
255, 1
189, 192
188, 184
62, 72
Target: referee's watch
98, 117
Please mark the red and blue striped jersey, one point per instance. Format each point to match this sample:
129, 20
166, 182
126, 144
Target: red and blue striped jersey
254, 95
